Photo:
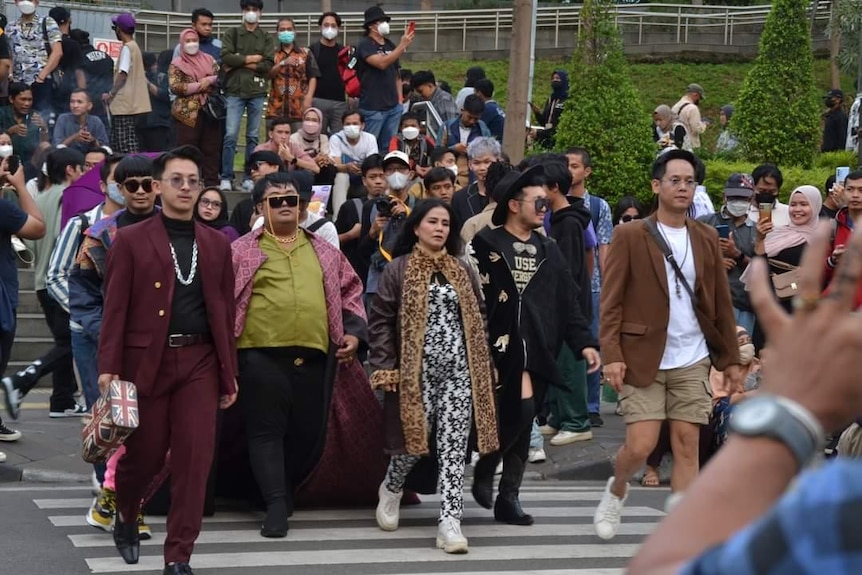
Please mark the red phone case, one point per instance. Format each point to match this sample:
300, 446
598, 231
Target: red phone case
411, 27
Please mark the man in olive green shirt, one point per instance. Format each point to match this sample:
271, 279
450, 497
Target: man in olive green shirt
247, 54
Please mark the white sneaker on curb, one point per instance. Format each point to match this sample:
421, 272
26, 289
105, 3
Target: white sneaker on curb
567, 437
225, 185
536, 455
607, 518
388, 508
449, 536
247, 186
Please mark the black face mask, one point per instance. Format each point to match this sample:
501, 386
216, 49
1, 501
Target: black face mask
556, 85
765, 198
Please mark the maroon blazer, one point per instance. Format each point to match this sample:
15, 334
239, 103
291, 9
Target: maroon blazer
139, 288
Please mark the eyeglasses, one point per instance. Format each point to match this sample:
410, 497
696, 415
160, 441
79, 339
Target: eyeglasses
277, 201
177, 182
208, 203
541, 204
133, 185
677, 182
258, 165
627, 218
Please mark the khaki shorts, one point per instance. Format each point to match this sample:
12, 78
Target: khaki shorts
682, 394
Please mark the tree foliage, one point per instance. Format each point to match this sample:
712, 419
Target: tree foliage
778, 113
848, 16
603, 112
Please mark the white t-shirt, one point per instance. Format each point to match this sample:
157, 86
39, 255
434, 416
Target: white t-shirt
465, 134
685, 344
339, 146
780, 214
125, 63
327, 231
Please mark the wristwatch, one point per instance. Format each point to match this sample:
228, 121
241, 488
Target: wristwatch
781, 419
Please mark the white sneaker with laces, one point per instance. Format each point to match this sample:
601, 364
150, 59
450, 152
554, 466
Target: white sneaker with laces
77, 411
7, 434
388, 508
225, 185
536, 455
607, 518
449, 536
567, 437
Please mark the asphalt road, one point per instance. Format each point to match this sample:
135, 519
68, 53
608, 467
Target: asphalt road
43, 533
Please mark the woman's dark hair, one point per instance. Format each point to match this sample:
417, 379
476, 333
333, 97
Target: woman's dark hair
407, 238
133, 166
222, 214
16, 88
624, 204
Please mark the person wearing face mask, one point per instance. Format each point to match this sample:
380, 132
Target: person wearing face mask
834, 122
316, 144
549, 116
37, 43
413, 143
192, 77
380, 98
329, 97
737, 245
202, 23
247, 53
348, 149
293, 77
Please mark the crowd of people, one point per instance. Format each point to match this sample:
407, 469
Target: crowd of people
444, 309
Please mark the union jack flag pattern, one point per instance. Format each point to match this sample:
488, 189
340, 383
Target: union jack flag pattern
114, 418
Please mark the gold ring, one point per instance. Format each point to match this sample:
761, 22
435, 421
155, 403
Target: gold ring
805, 303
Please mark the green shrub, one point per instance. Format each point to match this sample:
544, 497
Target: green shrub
717, 172
778, 111
603, 113
834, 160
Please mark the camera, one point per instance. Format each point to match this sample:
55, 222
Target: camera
384, 207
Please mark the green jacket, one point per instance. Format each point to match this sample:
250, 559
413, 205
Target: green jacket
49, 203
238, 43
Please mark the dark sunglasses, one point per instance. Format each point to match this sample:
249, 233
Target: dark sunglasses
278, 201
541, 204
627, 218
133, 185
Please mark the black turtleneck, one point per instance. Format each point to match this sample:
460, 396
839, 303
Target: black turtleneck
188, 308
127, 218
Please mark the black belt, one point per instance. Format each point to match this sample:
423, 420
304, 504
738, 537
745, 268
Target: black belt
187, 339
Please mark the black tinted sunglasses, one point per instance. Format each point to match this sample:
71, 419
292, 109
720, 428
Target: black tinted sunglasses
627, 218
133, 185
278, 201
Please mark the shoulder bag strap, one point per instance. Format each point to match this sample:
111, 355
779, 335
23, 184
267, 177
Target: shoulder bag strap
781, 265
668, 255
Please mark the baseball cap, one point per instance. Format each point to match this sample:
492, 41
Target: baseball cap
59, 14
396, 155
264, 156
835, 94
125, 22
695, 88
739, 186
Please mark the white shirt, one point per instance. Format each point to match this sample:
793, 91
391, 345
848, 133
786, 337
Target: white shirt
125, 63
327, 231
685, 344
780, 214
465, 134
340, 146
462, 95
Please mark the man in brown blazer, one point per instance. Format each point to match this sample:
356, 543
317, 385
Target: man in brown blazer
659, 340
167, 326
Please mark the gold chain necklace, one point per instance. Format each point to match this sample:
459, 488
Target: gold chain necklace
287, 240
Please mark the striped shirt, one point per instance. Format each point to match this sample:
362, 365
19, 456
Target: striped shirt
63, 258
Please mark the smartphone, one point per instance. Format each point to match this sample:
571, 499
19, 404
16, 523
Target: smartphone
411, 27
723, 231
841, 174
13, 163
765, 211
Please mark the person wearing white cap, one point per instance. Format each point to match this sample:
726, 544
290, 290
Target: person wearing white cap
689, 113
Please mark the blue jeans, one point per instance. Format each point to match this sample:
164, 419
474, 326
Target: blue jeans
745, 319
235, 107
382, 124
536, 439
594, 380
84, 353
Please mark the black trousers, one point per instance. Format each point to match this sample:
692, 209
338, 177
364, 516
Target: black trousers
58, 360
283, 403
6, 339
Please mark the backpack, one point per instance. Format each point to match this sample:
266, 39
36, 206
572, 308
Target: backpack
595, 212
347, 64
317, 225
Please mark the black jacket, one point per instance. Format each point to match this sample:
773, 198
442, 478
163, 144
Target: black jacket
567, 228
834, 131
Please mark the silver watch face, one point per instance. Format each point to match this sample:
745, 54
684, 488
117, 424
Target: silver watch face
754, 416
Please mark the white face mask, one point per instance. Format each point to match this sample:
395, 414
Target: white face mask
383, 28
397, 181
329, 33
410, 133
352, 132
192, 48
26, 7
250, 17
5, 151
737, 208
454, 170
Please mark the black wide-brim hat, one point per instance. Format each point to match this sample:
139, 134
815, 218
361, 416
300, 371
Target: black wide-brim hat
514, 182
374, 14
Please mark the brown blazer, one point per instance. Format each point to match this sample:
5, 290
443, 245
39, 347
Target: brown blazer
635, 307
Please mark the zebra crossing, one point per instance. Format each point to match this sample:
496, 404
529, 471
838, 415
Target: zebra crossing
349, 541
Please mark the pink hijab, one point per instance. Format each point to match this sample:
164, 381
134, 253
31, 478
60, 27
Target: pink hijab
784, 237
198, 66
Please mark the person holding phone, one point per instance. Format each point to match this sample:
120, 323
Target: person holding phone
845, 221
78, 129
767, 187
26, 128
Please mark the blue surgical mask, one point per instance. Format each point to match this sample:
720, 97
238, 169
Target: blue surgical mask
286, 36
115, 194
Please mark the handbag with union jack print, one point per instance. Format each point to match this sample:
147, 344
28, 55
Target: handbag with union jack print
114, 418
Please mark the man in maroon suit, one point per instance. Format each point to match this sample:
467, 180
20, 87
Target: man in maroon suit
168, 327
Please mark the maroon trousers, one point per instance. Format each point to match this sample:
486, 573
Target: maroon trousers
206, 135
178, 415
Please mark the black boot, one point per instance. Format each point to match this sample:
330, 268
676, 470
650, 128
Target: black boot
178, 569
275, 524
127, 540
507, 508
483, 479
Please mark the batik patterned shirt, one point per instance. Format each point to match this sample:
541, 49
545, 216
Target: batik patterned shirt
29, 54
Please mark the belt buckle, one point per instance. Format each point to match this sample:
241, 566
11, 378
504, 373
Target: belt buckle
175, 337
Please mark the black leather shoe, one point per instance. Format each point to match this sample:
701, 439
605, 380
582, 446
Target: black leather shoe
178, 569
508, 510
127, 540
275, 524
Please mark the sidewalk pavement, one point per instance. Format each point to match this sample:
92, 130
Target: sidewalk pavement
50, 449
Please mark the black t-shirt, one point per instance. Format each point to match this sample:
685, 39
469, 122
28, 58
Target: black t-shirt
523, 258
329, 84
349, 216
98, 68
378, 86
72, 57
12, 219
4, 46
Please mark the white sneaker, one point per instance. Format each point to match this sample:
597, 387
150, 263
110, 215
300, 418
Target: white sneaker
536, 455
449, 536
95, 486
2, 457
388, 508
225, 185
567, 437
247, 186
77, 411
607, 518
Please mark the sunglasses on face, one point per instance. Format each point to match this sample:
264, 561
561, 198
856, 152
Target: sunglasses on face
278, 201
133, 185
541, 204
627, 218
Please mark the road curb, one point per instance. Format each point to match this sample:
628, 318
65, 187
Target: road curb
596, 470
12, 474
9, 473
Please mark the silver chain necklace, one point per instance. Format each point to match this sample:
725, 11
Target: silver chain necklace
192, 270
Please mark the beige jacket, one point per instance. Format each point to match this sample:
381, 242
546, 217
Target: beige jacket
689, 115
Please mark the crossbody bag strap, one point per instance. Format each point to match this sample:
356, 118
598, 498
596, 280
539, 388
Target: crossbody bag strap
668, 255
781, 265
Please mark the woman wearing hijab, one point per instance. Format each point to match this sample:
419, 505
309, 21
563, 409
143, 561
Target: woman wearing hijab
726, 140
549, 117
192, 77
668, 132
311, 139
211, 209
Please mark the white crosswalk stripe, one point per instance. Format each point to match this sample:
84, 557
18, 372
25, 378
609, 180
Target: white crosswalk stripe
561, 542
